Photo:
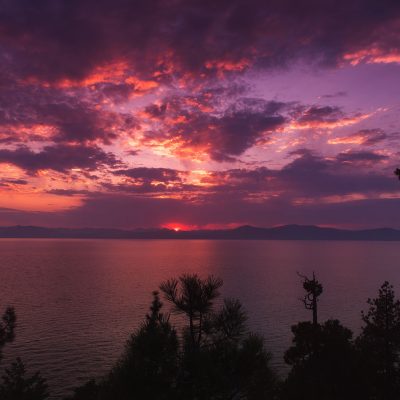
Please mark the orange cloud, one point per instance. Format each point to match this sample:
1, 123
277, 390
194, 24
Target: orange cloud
115, 72
373, 55
31, 200
228, 65
356, 139
339, 123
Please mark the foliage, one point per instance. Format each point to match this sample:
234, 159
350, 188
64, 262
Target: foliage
14, 383
324, 362
7, 328
379, 344
89, 391
149, 364
231, 363
194, 298
16, 386
213, 357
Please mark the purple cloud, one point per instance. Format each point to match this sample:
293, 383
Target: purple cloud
58, 158
75, 37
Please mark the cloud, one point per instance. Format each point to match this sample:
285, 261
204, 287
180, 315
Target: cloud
314, 176
361, 156
309, 189
59, 158
68, 192
4, 182
322, 117
150, 174
188, 37
170, 83
40, 114
310, 176
320, 114
334, 95
126, 211
164, 181
220, 134
366, 137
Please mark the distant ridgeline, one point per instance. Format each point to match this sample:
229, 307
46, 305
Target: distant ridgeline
286, 232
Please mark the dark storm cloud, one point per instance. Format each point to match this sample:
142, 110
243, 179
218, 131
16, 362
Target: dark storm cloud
142, 180
234, 132
150, 174
54, 39
15, 181
11, 182
226, 129
68, 192
58, 158
72, 119
311, 175
361, 156
223, 135
318, 114
77, 123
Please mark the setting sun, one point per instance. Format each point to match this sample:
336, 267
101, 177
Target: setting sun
177, 227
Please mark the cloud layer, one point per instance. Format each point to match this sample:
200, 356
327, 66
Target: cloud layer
131, 113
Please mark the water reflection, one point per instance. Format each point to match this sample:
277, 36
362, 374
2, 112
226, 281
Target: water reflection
78, 300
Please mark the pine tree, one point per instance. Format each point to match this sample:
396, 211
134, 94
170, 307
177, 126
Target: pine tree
379, 342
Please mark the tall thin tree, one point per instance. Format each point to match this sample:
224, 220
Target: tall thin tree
313, 290
193, 297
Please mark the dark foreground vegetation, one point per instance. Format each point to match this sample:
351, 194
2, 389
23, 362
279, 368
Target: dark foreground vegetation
215, 357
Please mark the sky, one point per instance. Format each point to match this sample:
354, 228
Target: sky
199, 114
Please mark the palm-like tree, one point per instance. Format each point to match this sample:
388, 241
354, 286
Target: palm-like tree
193, 297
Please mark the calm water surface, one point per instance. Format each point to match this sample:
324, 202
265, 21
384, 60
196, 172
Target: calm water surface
77, 301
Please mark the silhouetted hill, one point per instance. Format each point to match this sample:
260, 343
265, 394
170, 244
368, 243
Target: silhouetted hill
285, 232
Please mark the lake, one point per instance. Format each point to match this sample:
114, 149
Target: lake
77, 301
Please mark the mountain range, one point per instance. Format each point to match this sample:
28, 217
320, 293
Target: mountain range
285, 232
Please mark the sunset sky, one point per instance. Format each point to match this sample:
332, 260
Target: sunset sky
199, 114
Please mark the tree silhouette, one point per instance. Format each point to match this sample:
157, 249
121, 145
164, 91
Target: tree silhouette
228, 324
89, 391
228, 363
7, 328
193, 297
397, 172
148, 366
16, 386
379, 343
323, 357
313, 290
324, 363
14, 383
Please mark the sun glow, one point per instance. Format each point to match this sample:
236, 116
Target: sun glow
177, 227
